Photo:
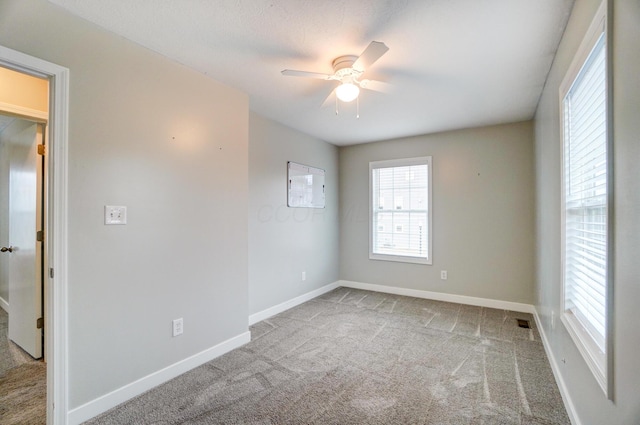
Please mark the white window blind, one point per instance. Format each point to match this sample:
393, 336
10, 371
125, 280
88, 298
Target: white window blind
585, 175
400, 210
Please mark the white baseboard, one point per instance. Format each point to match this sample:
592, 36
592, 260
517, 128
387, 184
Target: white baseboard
440, 296
272, 311
116, 397
566, 398
4, 305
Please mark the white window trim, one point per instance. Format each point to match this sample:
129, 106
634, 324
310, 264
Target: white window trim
401, 163
600, 363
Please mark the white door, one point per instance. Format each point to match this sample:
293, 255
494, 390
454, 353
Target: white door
25, 256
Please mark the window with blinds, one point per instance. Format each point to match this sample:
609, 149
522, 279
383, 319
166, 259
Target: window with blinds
401, 210
585, 202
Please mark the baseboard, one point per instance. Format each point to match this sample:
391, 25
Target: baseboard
272, 311
566, 398
116, 397
440, 296
4, 305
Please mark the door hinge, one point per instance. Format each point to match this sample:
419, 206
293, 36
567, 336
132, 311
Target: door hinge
51, 273
42, 150
40, 323
40, 235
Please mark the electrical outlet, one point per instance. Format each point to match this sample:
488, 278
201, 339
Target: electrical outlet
178, 327
443, 274
304, 276
115, 214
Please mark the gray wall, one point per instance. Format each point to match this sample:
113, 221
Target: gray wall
172, 145
591, 405
483, 222
284, 241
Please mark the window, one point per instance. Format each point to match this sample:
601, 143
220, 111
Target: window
400, 225
586, 186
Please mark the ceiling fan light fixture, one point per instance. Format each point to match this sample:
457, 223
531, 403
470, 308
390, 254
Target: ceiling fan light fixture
347, 92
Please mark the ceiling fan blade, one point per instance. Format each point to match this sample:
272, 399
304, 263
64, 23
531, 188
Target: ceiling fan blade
330, 99
375, 85
320, 76
372, 53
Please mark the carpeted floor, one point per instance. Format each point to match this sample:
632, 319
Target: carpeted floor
22, 383
359, 357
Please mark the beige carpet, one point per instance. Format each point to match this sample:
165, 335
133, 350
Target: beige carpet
359, 357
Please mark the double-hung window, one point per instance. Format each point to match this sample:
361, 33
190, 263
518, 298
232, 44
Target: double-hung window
400, 210
586, 189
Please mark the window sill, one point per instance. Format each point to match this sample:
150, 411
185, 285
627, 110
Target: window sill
593, 356
400, 259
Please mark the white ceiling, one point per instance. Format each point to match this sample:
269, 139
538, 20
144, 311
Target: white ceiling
452, 63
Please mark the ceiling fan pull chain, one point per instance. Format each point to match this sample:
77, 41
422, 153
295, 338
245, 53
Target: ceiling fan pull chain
358, 107
336, 105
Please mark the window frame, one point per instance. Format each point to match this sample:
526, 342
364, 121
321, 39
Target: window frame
403, 162
599, 362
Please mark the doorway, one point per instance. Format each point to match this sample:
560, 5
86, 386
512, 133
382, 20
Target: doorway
23, 184
54, 270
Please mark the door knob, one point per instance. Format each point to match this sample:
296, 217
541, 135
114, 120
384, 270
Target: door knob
5, 249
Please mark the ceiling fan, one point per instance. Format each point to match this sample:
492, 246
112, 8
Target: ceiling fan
348, 70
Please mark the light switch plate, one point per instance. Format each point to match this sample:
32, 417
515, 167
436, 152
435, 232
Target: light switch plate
114, 214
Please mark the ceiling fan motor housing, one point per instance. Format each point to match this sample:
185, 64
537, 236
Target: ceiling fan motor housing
343, 68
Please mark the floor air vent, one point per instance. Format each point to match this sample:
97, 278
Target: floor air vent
523, 324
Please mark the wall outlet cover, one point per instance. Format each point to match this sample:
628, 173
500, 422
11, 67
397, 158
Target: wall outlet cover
115, 214
178, 327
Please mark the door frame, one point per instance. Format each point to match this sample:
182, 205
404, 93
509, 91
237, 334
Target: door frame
56, 294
